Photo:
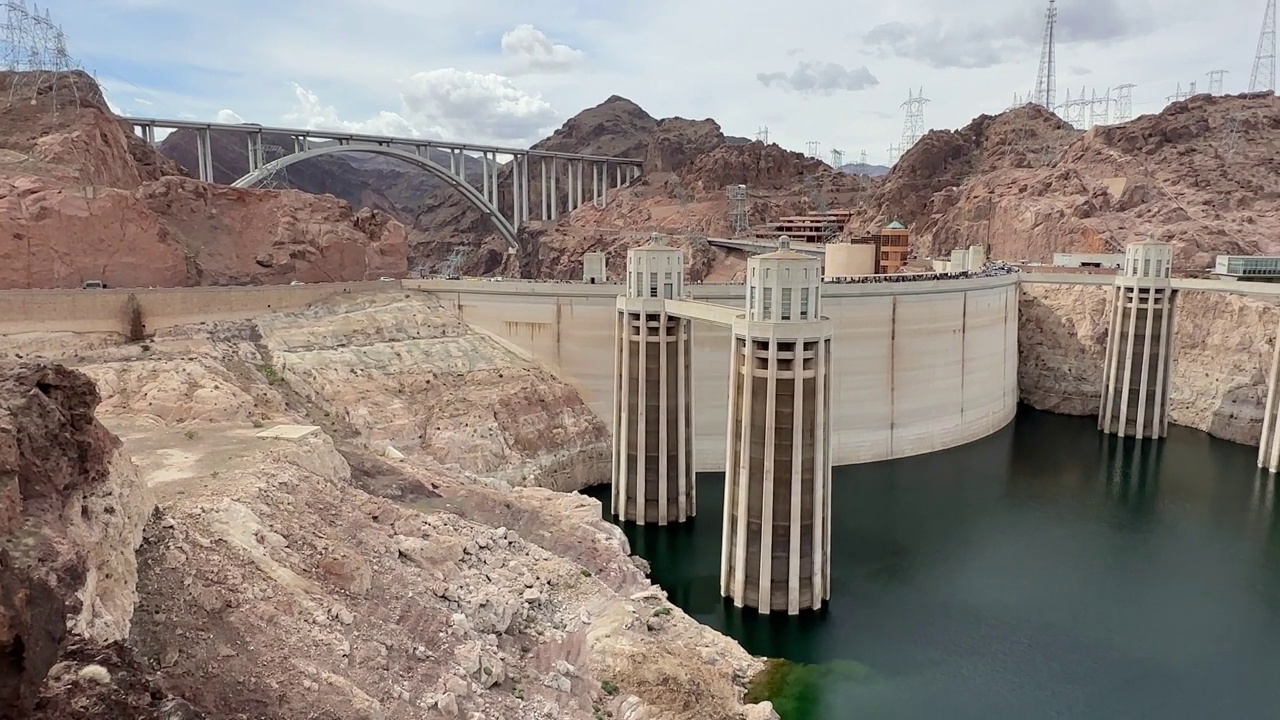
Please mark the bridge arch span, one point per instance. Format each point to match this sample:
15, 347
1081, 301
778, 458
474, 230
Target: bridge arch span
500, 223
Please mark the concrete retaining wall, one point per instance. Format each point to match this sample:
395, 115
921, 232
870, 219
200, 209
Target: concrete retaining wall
917, 367
24, 311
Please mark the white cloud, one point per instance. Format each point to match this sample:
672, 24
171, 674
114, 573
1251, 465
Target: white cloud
194, 58
228, 117
447, 104
531, 51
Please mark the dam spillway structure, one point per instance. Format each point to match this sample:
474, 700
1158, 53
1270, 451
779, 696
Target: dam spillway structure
1139, 356
776, 543
653, 468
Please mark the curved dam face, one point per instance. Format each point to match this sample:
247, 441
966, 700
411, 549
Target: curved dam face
915, 366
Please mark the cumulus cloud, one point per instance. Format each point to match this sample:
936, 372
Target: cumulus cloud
820, 78
228, 117
445, 104
528, 50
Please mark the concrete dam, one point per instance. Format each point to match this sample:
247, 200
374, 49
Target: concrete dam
915, 366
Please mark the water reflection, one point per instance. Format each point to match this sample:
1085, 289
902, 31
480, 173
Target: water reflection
1045, 571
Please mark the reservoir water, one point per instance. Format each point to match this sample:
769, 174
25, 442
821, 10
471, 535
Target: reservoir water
1044, 572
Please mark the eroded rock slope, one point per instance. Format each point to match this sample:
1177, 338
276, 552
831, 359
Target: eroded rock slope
316, 577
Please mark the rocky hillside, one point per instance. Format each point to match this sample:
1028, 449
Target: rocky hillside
82, 198
1198, 175
329, 575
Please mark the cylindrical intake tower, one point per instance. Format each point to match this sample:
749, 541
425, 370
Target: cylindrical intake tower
777, 532
653, 470
1139, 360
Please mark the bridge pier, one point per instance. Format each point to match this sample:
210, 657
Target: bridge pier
1139, 359
204, 155
555, 196
653, 469
776, 543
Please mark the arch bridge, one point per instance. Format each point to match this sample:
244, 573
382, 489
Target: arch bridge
566, 180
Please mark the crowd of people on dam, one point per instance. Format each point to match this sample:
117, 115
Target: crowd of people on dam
990, 269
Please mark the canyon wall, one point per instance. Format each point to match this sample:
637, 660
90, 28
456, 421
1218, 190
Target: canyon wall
1223, 346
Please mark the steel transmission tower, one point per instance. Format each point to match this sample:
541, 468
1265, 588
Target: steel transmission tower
913, 123
1264, 62
837, 158
1124, 103
763, 134
1099, 109
863, 157
813, 146
1046, 79
1215, 81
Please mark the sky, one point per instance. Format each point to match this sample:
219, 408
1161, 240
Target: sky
507, 72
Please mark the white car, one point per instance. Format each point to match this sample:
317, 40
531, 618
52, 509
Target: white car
384, 278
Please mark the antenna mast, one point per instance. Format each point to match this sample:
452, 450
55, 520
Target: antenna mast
1264, 62
1046, 79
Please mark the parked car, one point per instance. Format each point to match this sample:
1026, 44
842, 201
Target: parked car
93, 285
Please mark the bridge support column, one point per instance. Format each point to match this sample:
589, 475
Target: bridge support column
653, 476
555, 196
1139, 357
524, 187
578, 204
204, 156
595, 184
776, 542
1269, 443
542, 187
256, 159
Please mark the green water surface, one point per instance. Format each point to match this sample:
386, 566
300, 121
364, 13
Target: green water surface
1044, 572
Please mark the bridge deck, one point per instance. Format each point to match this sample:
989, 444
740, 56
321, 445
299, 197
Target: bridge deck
369, 139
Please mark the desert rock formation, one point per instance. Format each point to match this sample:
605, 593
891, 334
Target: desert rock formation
330, 577
409, 375
688, 165
1223, 346
1024, 184
72, 510
82, 198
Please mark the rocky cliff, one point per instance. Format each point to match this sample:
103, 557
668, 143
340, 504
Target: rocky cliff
72, 511
1026, 185
327, 576
82, 198
1223, 346
407, 374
